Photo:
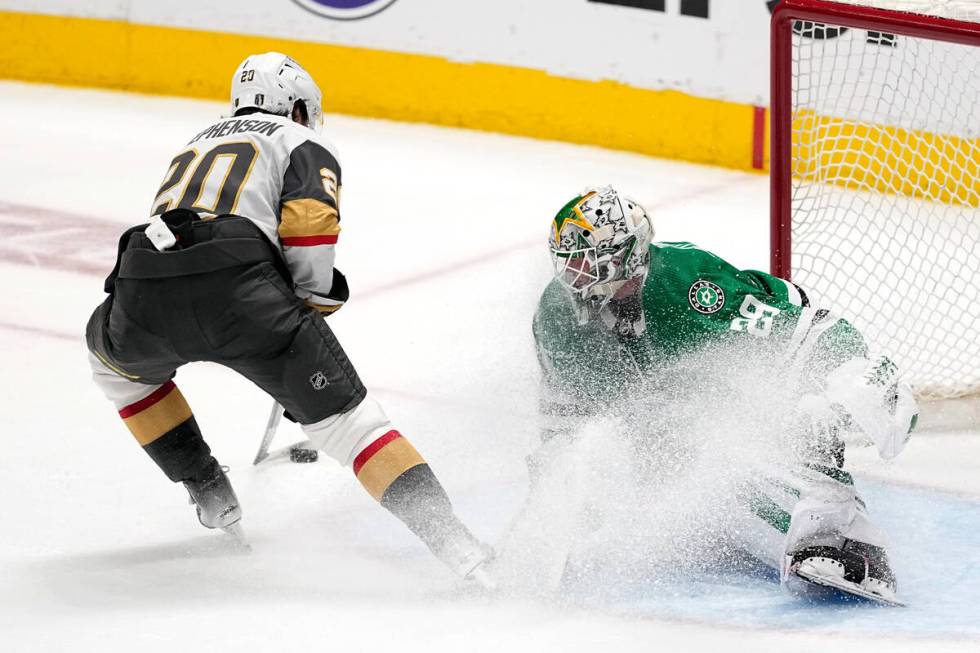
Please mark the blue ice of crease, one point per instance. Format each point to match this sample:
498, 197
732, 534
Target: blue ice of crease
935, 553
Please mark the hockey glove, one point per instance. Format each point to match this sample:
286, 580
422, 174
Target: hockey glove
339, 293
870, 393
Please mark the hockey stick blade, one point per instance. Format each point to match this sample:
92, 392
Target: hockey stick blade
284, 452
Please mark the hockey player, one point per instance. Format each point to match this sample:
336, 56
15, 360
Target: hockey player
622, 306
237, 267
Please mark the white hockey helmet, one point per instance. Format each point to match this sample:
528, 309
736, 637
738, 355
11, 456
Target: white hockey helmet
599, 241
274, 83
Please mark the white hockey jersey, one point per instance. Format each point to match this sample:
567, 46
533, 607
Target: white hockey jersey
282, 176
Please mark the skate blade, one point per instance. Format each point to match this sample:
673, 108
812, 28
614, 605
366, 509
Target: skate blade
238, 533
482, 579
849, 588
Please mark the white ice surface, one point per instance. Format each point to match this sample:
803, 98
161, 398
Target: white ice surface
444, 247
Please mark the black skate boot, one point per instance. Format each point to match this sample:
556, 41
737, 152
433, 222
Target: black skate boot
217, 505
855, 568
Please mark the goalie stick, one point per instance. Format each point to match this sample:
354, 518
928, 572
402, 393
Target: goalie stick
298, 452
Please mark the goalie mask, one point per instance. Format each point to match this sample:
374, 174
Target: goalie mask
599, 241
276, 84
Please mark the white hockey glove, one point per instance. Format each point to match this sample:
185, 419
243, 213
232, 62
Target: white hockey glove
870, 394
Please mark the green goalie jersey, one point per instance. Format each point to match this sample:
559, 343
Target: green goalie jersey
691, 299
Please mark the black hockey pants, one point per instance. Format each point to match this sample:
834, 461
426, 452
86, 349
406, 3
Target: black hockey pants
222, 297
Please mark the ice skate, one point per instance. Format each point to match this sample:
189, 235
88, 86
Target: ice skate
469, 559
215, 500
237, 532
856, 568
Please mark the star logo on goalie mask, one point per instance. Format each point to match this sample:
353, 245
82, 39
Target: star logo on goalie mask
571, 214
706, 297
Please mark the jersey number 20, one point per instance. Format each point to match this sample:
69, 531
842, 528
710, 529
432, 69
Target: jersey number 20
214, 184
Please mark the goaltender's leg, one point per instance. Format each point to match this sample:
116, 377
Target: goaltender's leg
809, 522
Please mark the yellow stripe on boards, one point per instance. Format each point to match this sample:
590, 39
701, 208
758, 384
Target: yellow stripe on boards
491, 97
376, 83
885, 159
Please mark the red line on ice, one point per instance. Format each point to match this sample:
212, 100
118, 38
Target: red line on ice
87, 245
42, 331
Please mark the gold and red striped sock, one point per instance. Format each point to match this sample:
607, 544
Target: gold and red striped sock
395, 474
383, 461
165, 427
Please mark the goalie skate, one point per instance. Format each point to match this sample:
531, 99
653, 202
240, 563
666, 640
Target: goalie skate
847, 571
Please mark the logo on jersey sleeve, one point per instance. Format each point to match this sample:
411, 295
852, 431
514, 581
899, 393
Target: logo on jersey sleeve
345, 9
706, 297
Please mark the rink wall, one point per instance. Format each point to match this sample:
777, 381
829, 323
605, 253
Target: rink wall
681, 79
579, 73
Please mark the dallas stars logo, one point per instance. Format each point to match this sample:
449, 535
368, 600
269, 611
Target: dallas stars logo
706, 297
571, 214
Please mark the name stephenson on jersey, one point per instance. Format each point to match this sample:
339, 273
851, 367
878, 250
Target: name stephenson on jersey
282, 176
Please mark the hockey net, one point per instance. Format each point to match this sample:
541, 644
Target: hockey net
876, 175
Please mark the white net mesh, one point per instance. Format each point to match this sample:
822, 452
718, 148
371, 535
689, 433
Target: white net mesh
886, 190
957, 9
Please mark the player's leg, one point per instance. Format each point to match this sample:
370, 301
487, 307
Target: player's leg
396, 475
317, 385
154, 409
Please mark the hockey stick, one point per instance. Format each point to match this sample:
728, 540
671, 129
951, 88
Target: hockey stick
307, 453
299, 452
275, 415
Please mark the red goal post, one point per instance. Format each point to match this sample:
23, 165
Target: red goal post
874, 158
